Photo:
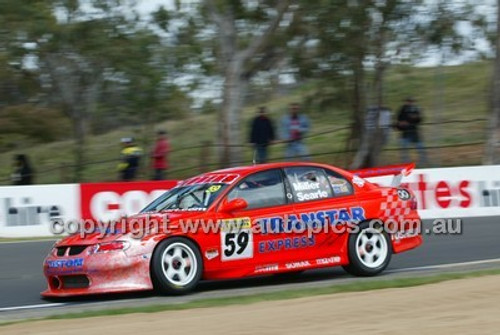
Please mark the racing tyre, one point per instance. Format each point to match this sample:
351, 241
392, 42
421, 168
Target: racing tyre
176, 266
369, 250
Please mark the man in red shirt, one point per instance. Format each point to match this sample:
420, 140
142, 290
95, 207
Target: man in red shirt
159, 156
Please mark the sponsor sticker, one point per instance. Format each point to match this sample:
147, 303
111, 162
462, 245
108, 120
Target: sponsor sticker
298, 265
401, 235
212, 178
289, 243
236, 224
358, 181
65, 263
404, 194
280, 224
212, 253
328, 260
340, 186
214, 188
266, 268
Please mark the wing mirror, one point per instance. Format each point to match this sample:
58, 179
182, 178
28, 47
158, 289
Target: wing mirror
233, 205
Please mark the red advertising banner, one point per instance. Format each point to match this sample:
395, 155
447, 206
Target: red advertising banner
110, 201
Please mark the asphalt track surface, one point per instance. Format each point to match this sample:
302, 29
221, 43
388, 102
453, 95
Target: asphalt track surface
21, 279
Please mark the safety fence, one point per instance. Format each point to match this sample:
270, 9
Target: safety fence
465, 147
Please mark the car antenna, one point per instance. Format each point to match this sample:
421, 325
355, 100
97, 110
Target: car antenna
254, 159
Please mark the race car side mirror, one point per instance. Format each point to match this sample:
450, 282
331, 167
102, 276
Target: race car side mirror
233, 205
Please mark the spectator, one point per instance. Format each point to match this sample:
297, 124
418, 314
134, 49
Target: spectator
409, 118
131, 156
160, 155
23, 174
261, 135
293, 128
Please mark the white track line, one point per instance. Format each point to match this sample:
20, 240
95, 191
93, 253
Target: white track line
29, 241
15, 308
421, 268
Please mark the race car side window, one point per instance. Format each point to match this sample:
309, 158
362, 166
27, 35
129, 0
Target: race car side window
308, 183
262, 189
341, 186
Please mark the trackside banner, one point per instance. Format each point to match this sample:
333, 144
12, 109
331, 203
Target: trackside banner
111, 201
29, 211
453, 192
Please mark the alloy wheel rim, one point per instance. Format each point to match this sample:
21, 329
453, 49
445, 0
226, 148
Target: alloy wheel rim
371, 248
179, 264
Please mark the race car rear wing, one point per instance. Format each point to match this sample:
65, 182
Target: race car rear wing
398, 171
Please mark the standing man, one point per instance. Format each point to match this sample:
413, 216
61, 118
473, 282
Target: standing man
130, 156
261, 135
293, 128
159, 155
408, 122
23, 173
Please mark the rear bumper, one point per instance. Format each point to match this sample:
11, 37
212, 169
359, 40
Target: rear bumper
409, 235
406, 244
96, 274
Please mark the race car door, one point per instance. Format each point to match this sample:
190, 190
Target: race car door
268, 203
323, 199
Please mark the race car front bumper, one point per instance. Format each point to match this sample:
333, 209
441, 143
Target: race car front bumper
96, 273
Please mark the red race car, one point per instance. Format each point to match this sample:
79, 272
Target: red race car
240, 222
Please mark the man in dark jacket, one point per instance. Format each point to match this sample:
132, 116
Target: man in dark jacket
23, 174
261, 135
409, 118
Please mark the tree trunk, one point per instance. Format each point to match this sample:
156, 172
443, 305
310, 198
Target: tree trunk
490, 155
359, 99
79, 136
376, 139
359, 107
235, 87
371, 139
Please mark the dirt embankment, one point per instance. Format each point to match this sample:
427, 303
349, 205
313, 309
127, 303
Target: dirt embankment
468, 306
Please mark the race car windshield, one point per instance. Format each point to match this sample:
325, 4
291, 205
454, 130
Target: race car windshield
196, 197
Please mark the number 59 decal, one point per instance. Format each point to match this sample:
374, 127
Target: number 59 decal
236, 239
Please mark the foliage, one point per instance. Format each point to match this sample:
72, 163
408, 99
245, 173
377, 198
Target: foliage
38, 124
101, 66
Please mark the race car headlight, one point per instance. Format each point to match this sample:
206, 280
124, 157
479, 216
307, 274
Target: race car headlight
111, 246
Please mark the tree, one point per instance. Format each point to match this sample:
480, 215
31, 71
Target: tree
90, 52
360, 40
493, 141
17, 36
391, 28
75, 60
245, 45
97, 65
